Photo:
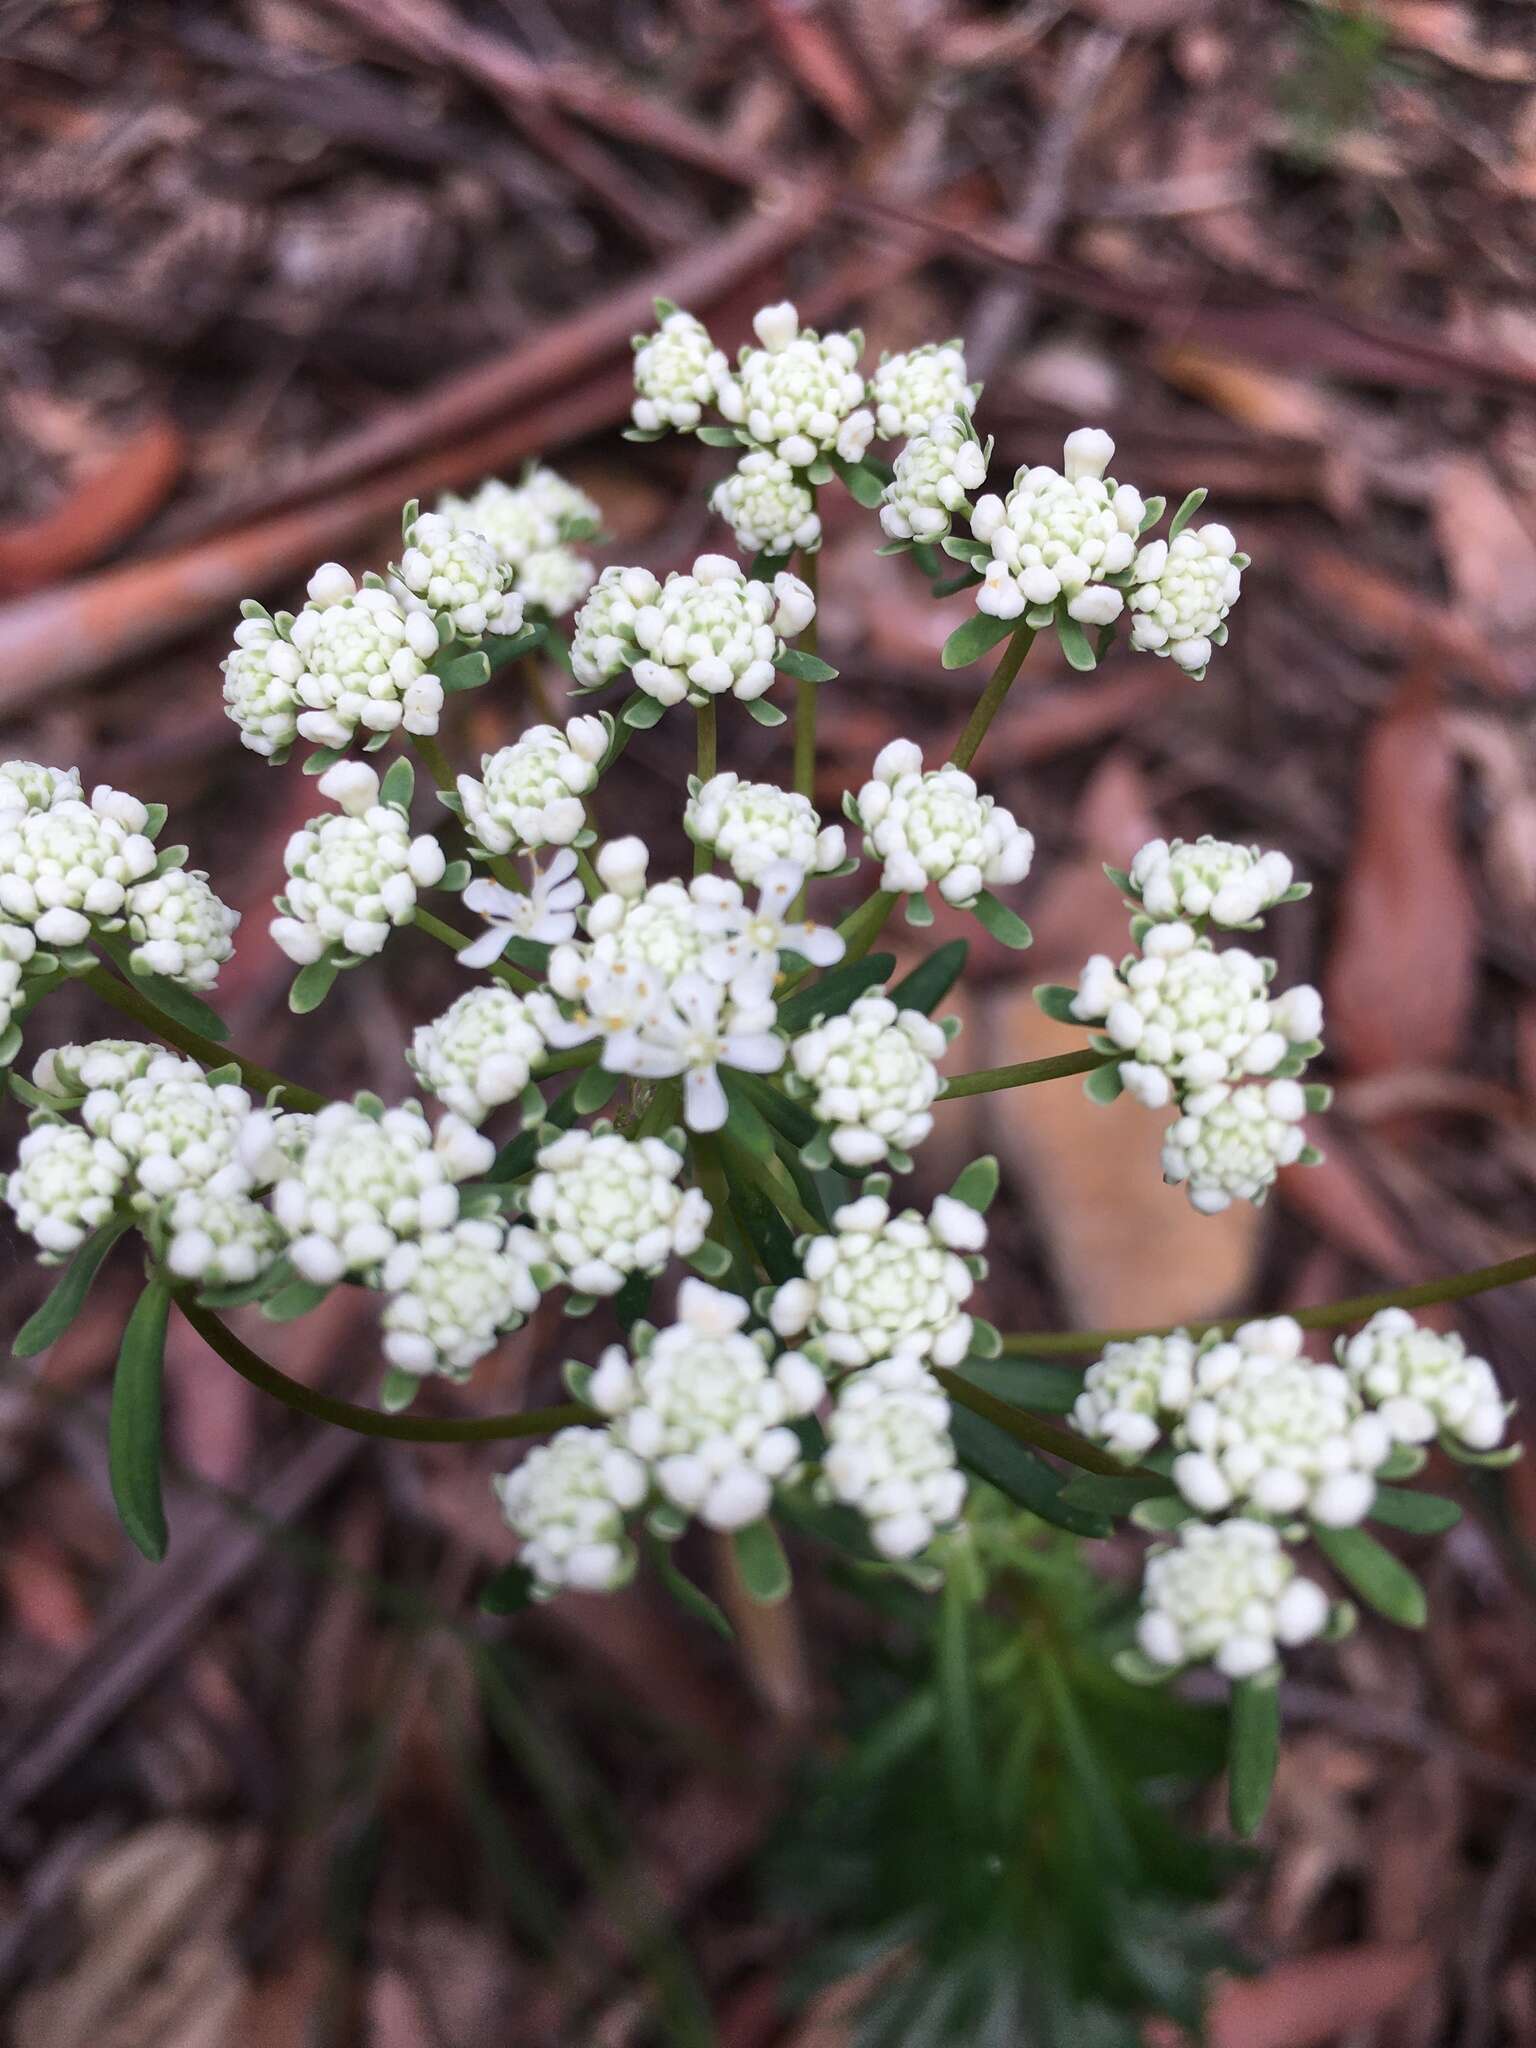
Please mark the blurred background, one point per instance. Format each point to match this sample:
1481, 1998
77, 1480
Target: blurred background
268, 268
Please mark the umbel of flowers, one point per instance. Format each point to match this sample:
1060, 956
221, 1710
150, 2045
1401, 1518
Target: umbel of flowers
646, 1071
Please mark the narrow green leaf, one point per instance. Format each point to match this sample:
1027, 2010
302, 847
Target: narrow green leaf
711, 1259
862, 483
399, 784
805, 668
297, 1299
1056, 1000
961, 548
792, 1118
761, 1561
594, 1089
1114, 1496
311, 986
918, 912
462, 671
1074, 641
987, 1450
642, 712
1186, 512
747, 1125
764, 712
516, 1157
1005, 925
1375, 1574
323, 758
932, 979
178, 1003
1253, 1750
48, 1323
691, 1598
632, 1300
1420, 1514
508, 1590
977, 1185
1104, 1083
835, 992
970, 641
717, 437
1029, 1382
133, 1435
500, 648
766, 1231
398, 1390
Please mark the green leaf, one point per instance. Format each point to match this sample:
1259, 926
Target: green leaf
1104, 1083
1074, 641
508, 1590
1421, 1514
816, 1152
10, 1043
642, 712
932, 979
462, 671
594, 1089
835, 992
805, 668
399, 784
970, 641
1056, 999
919, 912
398, 1389
986, 1449
961, 548
764, 712
500, 648
133, 1436
1151, 513
861, 483
691, 1598
717, 437
532, 955
1005, 925
1253, 1750
456, 876
747, 1125
766, 1231
178, 1003
977, 1185
762, 1564
311, 986
711, 1259
1115, 1496
516, 1157
48, 1324
1186, 512
1028, 1382
1375, 1574
293, 1301
323, 758
792, 1118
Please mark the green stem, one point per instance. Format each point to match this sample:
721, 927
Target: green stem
592, 881
1025, 1072
1029, 1429
805, 693
861, 927
123, 996
709, 754
426, 1429
987, 705
456, 941
431, 756
1328, 1315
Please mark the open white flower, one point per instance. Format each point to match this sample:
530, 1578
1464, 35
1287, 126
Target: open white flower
454, 1292
364, 660
678, 371
1269, 1430
1207, 877
1425, 1384
179, 928
743, 937
937, 827
890, 1455
874, 1077
693, 1028
1228, 1144
1229, 1594
545, 914
1060, 534
1182, 592
603, 641
261, 676
715, 631
65, 1184
799, 394
1134, 1392
607, 1206
567, 1501
884, 1286
767, 506
936, 472
460, 577
706, 1410
912, 391
529, 794
752, 825
352, 877
65, 868
479, 1053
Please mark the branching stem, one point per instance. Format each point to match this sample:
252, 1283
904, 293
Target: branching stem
132, 1002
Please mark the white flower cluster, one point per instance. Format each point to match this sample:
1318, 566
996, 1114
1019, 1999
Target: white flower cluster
1135, 1391
459, 576
1182, 591
530, 794
603, 637
220, 1235
702, 1406
179, 928
1228, 1592
768, 507
1060, 534
479, 1053
1228, 1143
363, 1179
173, 1128
678, 371
1269, 1429
68, 1073
753, 825
363, 663
912, 391
938, 828
890, 1455
352, 875
936, 473
1424, 1384
1210, 878
454, 1292
884, 1286
607, 1206
65, 1184
70, 866
799, 394
567, 1501
529, 525
261, 685
716, 630
31, 786
874, 1077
